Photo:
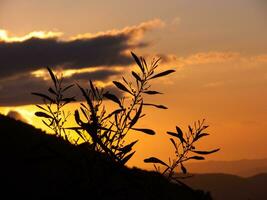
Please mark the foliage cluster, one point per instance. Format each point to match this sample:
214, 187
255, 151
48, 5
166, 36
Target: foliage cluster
105, 131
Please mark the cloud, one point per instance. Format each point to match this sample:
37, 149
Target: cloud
136, 32
202, 58
99, 75
4, 36
36, 50
16, 115
17, 91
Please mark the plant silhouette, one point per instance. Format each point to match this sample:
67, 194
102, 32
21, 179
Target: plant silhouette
106, 131
53, 113
185, 150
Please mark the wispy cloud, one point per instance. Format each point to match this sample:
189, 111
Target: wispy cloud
202, 58
136, 32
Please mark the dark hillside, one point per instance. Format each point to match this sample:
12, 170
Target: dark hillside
39, 166
231, 187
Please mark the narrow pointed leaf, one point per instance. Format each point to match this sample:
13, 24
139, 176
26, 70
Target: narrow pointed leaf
113, 113
179, 131
44, 96
137, 116
200, 136
180, 134
155, 160
113, 98
121, 86
174, 144
128, 147
135, 75
52, 91
182, 140
42, 114
157, 106
126, 158
138, 62
197, 158
162, 74
92, 88
152, 92
205, 152
68, 87
52, 76
41, 107
145, 130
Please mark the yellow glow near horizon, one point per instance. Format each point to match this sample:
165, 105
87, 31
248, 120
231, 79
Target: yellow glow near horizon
4, 35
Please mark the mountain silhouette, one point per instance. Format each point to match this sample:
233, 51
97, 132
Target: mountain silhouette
243, 168
231, 187
36, 165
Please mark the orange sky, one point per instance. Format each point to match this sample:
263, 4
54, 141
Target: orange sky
218, 48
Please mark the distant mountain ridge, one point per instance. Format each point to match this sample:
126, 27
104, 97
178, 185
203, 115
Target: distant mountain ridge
231, 187
243, 168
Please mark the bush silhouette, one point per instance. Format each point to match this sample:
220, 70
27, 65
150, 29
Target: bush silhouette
105, 132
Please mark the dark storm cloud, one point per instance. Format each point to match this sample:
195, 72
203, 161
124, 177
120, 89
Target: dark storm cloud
96, 75
35, 53
17, 91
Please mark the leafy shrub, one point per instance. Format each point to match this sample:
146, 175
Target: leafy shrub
106, 131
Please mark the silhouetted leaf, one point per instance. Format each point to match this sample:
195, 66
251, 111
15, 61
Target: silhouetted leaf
114, 112
138, 62
88, 100
174, 144
77, 117
163, 74
126, 158
172, 134
155, 160
128, 147
92, 88
44, 96
200, 136
70, 99
52, 91
205, 152
152, 92
177, 135
121, 86
179, 131
113, 98
41, 107
137, 115
68, 87
42, 114
197, 158
136, 76
52, 76
183, 168
145, 130
180, 134
154, 105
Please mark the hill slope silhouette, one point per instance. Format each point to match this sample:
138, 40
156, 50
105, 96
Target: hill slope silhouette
231, 187
36, 165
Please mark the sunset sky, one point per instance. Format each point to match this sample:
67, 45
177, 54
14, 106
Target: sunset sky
218, 49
